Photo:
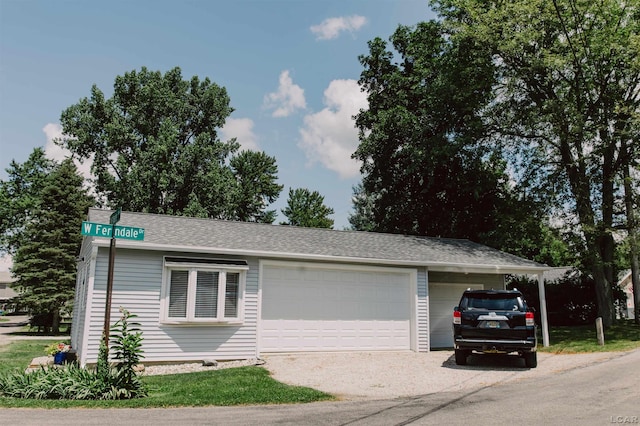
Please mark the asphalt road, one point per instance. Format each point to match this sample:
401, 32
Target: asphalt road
602, 393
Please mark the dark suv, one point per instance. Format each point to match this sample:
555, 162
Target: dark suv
494, 321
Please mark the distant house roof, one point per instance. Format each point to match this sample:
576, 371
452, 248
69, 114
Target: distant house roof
6, 292
180, 233
6, 277
554, 274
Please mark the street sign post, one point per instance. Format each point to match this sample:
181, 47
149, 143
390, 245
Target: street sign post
111, 231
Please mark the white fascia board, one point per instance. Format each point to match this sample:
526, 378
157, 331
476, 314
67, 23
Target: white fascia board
431, 266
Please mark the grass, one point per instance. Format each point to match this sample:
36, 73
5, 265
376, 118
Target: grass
622, 336
232, 386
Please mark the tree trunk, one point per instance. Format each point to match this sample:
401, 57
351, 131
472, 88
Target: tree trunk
633, 243
603, 293
599, 241
55, 322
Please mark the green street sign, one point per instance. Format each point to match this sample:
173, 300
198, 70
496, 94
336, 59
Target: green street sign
102, 230
115, 216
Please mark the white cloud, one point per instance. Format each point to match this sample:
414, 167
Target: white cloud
242, 130
287, 99
330, 136
55, 152
332, 27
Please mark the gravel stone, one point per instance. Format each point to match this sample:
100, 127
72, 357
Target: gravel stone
156, 370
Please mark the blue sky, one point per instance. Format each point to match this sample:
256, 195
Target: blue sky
290, 68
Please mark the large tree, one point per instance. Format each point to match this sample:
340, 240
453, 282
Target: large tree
306, 208
424, 169
45, 262
420, 166
154, 147
20, 197
568, 91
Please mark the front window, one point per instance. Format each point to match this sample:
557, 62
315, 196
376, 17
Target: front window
203, 294
488, 302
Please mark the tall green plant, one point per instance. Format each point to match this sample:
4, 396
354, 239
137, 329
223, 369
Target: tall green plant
127, 345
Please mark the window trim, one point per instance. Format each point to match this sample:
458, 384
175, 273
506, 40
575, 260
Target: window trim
193, 265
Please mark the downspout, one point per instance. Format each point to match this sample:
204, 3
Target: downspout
543, 310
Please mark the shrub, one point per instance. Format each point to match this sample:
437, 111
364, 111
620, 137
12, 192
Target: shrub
72, 382
571, 300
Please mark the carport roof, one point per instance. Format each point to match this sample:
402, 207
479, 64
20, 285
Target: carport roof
180, 233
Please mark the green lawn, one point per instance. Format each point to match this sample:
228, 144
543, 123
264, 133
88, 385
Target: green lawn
232, 386
622, 336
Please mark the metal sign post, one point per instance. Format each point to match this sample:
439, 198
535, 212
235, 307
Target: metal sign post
115, 217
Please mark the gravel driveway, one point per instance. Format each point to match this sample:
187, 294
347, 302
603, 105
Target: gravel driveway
379, 375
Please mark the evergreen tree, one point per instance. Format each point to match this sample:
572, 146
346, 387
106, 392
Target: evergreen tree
20, 197
45, 262
306, 208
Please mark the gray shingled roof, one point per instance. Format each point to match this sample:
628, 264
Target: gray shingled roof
219, 236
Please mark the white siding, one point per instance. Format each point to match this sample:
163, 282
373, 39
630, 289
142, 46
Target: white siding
84, 281
137, 287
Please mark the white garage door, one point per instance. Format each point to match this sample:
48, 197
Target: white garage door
312, 309
442, 299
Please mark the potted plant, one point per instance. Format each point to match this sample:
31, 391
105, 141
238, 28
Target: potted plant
58, 351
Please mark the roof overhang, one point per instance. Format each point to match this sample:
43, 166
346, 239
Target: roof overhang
465, 268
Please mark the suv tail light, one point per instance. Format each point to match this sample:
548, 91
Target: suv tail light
529, 320
457, 317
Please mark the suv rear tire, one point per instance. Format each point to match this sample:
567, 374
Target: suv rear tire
461, 356
530, 359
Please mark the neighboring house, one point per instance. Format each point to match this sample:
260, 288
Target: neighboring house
6, 292
625, 283
212, 289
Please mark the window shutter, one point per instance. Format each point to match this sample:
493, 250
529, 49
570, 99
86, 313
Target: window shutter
231, 295
207, 294
178, 294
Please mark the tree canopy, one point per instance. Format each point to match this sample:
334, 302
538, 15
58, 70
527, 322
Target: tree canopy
425, 167
306, 208
567, 98
45, 262
154, 148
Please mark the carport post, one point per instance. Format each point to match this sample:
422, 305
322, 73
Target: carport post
543, 310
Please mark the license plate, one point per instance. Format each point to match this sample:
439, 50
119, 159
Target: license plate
493, 324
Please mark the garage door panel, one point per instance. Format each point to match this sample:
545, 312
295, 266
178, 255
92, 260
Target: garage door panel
308, 309
442, 299
334, 335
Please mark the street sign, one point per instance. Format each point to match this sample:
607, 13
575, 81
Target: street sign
115, 216
102, 230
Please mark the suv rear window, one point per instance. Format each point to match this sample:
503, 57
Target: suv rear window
492, 302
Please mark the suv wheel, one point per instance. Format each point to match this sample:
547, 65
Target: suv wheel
531, 359
461, 356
